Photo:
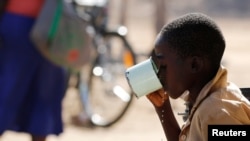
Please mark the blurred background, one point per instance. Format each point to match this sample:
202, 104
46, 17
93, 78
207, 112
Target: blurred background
143, 21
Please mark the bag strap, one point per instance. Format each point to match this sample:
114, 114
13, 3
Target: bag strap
55, 22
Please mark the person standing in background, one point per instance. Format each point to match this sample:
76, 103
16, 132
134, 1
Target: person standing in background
31, 87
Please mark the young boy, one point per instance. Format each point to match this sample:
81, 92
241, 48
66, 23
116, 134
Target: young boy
188, 53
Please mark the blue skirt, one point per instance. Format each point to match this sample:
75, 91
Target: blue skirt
31, 87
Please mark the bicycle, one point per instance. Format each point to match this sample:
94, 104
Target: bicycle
103, 89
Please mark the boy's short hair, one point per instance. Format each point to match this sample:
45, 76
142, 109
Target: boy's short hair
194, 34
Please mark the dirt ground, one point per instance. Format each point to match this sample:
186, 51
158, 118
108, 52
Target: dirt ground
141, 123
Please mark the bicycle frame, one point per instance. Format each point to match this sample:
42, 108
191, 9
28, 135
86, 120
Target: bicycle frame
96, 17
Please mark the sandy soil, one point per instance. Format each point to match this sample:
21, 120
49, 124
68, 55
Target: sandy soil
141, 123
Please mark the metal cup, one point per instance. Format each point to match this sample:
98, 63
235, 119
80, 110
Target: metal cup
142, 78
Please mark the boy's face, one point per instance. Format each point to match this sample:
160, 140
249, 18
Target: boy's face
173, 71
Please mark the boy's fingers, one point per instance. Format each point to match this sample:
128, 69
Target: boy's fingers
158, 97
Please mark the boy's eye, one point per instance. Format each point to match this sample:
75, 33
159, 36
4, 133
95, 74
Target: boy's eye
159, 56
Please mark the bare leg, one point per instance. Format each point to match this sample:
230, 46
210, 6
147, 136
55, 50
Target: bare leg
38, 138
160, 14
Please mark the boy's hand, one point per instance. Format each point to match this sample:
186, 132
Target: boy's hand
158, 98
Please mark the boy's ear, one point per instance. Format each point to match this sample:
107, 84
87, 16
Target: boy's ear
196, 64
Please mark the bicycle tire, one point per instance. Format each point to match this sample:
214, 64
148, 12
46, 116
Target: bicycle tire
108, 99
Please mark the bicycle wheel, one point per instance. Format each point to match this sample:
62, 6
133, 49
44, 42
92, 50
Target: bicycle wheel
109, 95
